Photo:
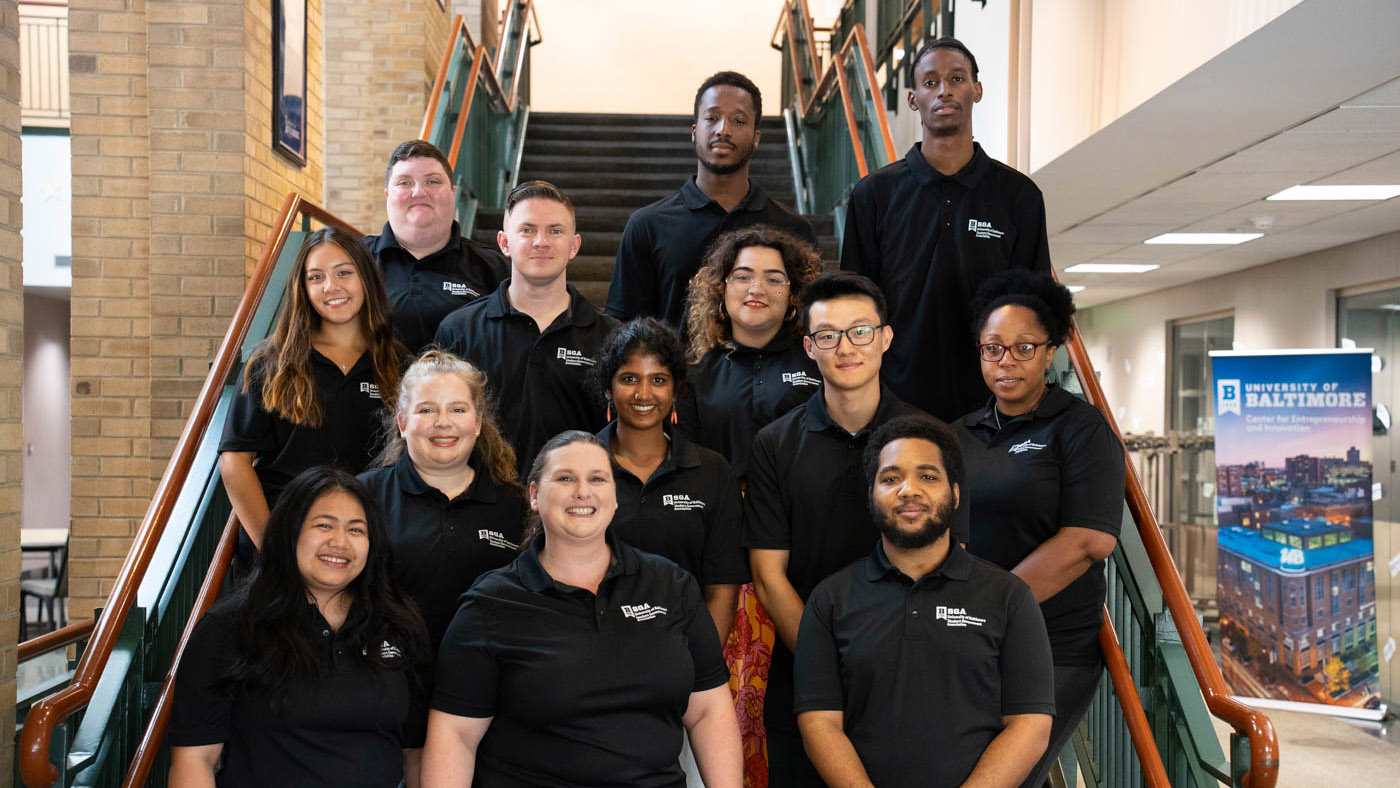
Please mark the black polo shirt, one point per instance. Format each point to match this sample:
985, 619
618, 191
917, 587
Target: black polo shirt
584, 690
423, 292
807, 492
688, 511
539, 380
739, 391
441, 546
664, 244
929, 240
923, 669
1059, 465
349, 436
348, 726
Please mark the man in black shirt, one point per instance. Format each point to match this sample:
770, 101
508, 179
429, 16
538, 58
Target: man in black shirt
665, 242
535, 337
922, 639
804, 512
931, 227
429, 268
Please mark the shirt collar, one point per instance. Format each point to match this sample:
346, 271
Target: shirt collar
818, 420
481, 489
680, 453
580, 313
956, 566
970, 176
535, 578
387, 240
695, 199
1055, 401
779, 344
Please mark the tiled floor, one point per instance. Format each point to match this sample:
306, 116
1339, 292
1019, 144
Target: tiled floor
1317, 751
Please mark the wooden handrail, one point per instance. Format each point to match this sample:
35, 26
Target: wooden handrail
1263, 742
154, 734
35, 737
1125, 687
56, 639
481, 67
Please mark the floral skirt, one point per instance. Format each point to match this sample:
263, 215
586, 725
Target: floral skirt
748, 654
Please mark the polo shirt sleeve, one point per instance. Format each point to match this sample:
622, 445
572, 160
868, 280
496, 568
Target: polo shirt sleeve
701, 637
765, 513
724, 560
817, 661
1027, 668
204, 696
633, 292
467, 675
1032, 249
248, 426
414, 730
450, 336
860, 247
1091, 479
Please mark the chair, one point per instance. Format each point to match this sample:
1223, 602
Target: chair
49, 593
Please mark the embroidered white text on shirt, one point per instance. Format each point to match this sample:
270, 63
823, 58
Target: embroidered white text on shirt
1025, 446
643, 612
682, 502
800, 379
459, 289
496, 539
957, 617
983, 229
573, 358
372, 389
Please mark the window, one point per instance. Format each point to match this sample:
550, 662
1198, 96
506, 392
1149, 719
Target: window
1191, 409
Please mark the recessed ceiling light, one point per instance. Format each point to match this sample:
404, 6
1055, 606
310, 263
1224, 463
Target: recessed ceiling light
1218, 239
1338, 192
1074, 288
1110, 268
1391, 307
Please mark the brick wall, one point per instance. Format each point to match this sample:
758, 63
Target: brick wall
11, 351
382, 57
174, 188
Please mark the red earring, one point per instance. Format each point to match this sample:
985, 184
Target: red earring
610, 413
673, 416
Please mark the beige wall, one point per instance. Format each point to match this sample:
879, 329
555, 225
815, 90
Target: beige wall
1286, 304
11, 348
649, 55
174, 188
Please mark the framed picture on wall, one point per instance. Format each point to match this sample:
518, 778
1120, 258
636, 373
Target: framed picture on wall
289, 78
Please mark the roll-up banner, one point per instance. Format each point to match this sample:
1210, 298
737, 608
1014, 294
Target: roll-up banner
1296, 583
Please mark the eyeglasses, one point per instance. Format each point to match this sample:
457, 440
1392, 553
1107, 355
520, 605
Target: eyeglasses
744, 279
829, 338
1021, 351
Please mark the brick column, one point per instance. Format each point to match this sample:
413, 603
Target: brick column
11, 351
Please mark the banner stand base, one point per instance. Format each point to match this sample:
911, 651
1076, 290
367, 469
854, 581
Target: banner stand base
1348, 712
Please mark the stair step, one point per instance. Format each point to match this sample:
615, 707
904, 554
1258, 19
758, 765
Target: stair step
595, 292
636, 180
574, 131
769, 122
677, 146
682, 165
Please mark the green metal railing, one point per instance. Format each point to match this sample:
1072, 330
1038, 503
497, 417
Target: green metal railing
478, 110
901, 28
839, 130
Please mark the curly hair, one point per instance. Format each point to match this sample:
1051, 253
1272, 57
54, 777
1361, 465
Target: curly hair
495, 451
281, 364
642, 336
1039, 292
707, 323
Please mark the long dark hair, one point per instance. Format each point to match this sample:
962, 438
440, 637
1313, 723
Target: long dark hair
283, 360
277, 648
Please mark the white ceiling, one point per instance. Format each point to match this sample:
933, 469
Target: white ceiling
1312, 97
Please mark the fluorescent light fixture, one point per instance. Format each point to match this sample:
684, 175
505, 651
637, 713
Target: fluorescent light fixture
1216, 239
1074, 288
1340, 192
1111, 268
1391, 307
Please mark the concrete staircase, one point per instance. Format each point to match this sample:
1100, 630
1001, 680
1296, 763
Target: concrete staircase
611, 165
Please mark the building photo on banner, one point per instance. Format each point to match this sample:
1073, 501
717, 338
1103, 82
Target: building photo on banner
1296, 580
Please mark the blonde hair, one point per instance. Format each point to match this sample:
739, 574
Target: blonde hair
497, 453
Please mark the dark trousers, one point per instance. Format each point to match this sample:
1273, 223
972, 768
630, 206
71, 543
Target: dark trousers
1075, 686
788, 765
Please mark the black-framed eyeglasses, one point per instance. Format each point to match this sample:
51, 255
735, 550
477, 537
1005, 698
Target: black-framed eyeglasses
744, 279
1021, 351
829, 338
